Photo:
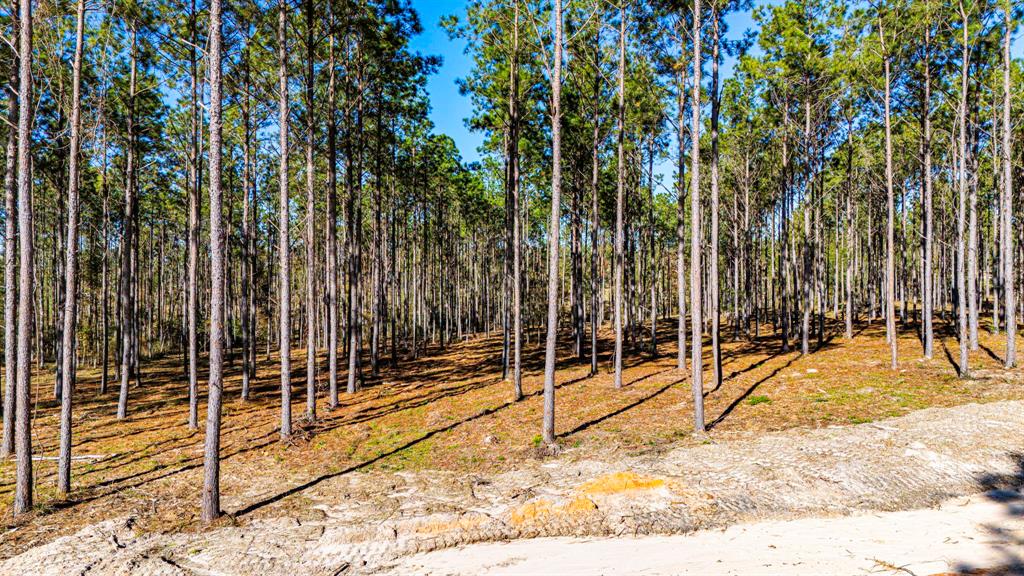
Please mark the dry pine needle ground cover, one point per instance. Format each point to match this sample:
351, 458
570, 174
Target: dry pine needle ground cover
450, 410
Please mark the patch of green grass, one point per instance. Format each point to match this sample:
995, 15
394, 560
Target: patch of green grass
417, 456
537, 440
755, 400
908, 399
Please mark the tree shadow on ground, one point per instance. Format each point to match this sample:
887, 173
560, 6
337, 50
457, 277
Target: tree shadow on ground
732, 406
990, 352
949, 357
657, 392
828, 343
367, 463
153, 443
440, 373
1008, 544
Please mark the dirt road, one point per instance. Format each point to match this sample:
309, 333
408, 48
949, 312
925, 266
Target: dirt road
964, 534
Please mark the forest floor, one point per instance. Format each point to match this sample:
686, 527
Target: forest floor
414, 456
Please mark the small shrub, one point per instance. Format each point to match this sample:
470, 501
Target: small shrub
755, 400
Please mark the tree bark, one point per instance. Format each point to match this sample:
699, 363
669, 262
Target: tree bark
71, 261
11, 262
696, 294
927, 290
652, 256
211, 453
128, 242
595, 213
23, 425
715, 305
194, 187
105, 265
681, 202
971, 161
850, 229
961, 248
283, 288
620, 120
310, 222
248, 231
806, 277
517, 249
1009, 277
332, 226
890, 239
553, 232
354, 175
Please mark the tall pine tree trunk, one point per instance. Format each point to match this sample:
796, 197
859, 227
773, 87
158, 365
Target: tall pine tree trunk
961, 216
517, 248
681, 284
311, 299
1009, 277
354, 175
620, 129
71, 261
332, 226
194, 187
11, 263
927, 290
850, 229
595, 210
652, 254
283, 288
23, 425
696, 293
248, 231
971, 161
211, 453
128, 242
105, 264
553, 232
890, 240
783, 248
715, 305
806, 243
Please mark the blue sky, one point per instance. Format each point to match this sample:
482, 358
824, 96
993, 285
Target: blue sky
449, 108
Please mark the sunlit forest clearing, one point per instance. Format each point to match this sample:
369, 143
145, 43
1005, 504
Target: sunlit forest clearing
449, 411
